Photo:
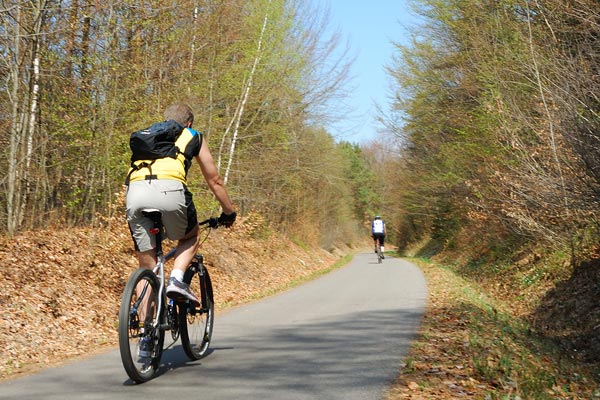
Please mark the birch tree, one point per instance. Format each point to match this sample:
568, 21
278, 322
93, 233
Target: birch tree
23, 23
237, 118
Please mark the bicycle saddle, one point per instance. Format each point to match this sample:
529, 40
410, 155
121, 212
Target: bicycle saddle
152, 213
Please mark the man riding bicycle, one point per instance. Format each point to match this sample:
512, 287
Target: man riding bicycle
162, 184
378, 233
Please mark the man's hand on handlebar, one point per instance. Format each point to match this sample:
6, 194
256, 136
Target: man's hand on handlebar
227, 219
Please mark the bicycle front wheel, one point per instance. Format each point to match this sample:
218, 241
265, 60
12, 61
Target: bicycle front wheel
140, 337
196, 323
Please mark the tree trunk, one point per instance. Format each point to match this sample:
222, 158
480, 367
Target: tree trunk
39, 8
244, 100
14, 191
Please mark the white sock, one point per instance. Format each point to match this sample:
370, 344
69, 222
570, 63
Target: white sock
177, 274
382, 249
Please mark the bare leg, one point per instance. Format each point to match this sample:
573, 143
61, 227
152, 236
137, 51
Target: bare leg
186, 249
147, 259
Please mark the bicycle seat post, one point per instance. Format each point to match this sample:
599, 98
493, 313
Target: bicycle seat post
158, 234
156, 217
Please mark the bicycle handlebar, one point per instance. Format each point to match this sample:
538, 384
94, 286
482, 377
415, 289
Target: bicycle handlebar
224, 220
213, 222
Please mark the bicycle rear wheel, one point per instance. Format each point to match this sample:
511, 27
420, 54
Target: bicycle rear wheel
379, 254
196, 323
137, 316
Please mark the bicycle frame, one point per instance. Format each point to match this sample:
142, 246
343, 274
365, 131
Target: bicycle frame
378, 249
159, 271
167, 314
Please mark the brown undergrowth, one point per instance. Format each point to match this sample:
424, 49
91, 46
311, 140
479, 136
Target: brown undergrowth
519, 334
60, 288
60, 291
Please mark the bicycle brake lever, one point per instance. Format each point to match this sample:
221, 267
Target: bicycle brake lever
213, 222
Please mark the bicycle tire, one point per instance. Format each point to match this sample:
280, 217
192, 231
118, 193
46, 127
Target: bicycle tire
379, 255
132, 328
196, 323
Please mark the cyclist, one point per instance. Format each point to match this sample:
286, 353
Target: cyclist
378, 233
162, 185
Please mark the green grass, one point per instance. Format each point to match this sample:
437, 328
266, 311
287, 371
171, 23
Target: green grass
501, 352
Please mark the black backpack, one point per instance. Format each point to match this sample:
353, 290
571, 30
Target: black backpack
153, 143
157, 141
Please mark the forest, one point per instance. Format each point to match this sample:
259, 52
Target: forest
80, 75
496, 113
491, 139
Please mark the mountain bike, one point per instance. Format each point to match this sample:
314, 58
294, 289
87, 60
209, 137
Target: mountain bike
146, 312
379, 253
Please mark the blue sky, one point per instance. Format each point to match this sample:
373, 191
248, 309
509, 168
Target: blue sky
369, 27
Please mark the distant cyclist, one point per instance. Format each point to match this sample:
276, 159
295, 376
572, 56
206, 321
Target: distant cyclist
378, 232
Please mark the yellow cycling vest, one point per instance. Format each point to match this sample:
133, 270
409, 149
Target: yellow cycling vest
188, 143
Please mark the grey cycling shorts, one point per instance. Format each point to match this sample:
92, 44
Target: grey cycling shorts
169, 196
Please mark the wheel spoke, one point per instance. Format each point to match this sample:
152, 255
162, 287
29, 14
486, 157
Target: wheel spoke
196, 324
140, 342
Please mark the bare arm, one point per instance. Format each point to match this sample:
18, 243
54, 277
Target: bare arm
211, 175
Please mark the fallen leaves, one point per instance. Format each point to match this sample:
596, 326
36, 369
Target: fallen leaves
467, 349
61, 288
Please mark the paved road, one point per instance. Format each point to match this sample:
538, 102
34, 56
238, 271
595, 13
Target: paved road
342, 336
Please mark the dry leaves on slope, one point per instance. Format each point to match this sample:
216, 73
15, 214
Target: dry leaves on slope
60, 289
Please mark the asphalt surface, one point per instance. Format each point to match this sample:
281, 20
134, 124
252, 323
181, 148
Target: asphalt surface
342, 336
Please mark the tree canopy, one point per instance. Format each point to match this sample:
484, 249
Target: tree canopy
499, 109
80, 76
